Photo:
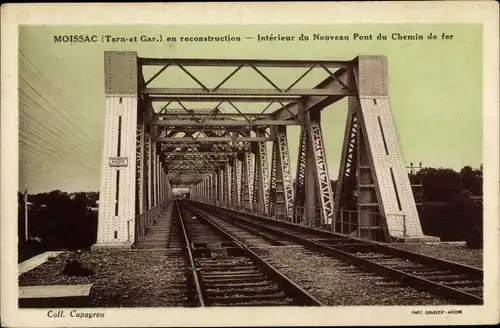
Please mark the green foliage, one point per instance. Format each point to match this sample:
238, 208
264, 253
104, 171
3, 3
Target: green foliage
60, 221
447, 185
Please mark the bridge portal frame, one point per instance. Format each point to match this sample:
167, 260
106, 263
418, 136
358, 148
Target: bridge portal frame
150, 155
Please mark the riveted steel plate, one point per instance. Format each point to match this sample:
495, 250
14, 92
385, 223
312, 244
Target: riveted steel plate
120, 70
118, 227
372, 75
396, 198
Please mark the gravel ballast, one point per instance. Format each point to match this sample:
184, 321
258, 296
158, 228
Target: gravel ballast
450, 252
121, 278
335, 283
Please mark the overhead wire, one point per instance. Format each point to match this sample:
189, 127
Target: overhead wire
48, 133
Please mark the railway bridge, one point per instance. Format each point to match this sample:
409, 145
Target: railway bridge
156, 140
252, 233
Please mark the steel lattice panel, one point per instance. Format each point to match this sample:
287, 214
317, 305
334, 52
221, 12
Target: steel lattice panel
149, 167
348, 151
322, 177
251, 175
300, 176
286, 171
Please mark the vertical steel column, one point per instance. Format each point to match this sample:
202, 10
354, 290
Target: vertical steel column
159, 177
154, 184
215, 190
367, 201
140, 167
392, 185
323, 183
261, 191
160, 182
251, 177
245, 183
211, 188
226, 193
205, 189
300, 178
118, 173
282, 174
149, 169
346, 181
201, 189
239, 168
157, 180
234, 184
272, 180
311, 192
222, 182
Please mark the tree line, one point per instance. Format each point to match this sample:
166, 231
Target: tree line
57, 220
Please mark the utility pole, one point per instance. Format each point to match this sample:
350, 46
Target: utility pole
412, 168
415, 170
26, 215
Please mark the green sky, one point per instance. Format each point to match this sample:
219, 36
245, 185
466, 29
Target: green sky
435, 90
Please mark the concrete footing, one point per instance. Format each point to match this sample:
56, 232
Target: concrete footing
117, 246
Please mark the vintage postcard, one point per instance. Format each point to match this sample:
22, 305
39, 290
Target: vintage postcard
237, 164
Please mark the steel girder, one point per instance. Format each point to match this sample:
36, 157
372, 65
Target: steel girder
149, 169
206, 114
226, 195
201, 62
346, 182
280, 190
235, 199
340, 80
245, 199
300, 175
223, 93
261, 178
222, 181
323, 184
141, 181
371, 125
154, 171
118, 180
216, 124
213, 139
250, 159
385, 203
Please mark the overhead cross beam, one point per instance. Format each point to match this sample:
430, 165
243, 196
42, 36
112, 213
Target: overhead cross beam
285, 94
200, 62
227, 123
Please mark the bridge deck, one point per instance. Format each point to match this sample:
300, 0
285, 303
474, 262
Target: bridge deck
157, 238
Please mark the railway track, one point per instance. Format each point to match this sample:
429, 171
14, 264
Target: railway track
449, 280
226, 272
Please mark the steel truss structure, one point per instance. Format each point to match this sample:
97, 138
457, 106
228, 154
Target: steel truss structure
154, 142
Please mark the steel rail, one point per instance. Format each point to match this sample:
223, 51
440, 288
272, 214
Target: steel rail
386, 248
194, 271
298, 292
274, 242
404, 277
